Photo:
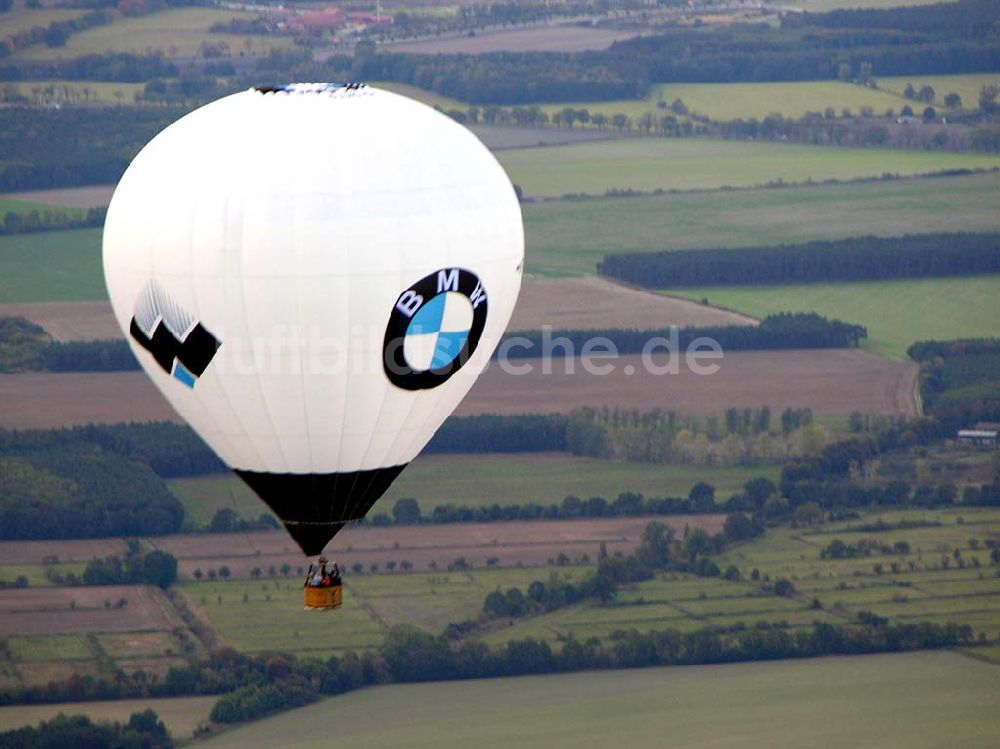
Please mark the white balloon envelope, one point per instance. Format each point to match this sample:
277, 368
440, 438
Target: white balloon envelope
314, 275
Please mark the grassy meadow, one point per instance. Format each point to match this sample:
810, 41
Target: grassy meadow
571, 236
176, 33
853, 701
896, 313
481, 480
731, 101
55, 266
693, 164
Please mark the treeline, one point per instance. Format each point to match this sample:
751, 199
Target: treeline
784, 330
856, 259
25, 222
971, 19
74, 146
144, 730
171, 450
154, 567
959, 380
116, 67
659, 550
257, 685
25, 346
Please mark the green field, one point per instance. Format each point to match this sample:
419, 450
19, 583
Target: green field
966, 86
74, 90
896, 313
182, 715
50, 648
174, 33
481, 480
371, 602
12, 205
571, 236
730, 101
694, 164
54, 266
13, 22
927, 700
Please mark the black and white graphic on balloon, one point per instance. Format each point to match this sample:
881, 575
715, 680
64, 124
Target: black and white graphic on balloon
434, 327
181, 345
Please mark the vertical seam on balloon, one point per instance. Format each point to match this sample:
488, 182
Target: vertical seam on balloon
261, 463
347, 379
298, 315
260, 388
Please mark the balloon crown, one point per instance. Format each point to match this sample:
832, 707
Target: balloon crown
309, 88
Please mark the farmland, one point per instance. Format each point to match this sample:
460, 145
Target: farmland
695, 164
896, 313
571, 236
731, 101
175, 33
829, 381
482, 480
426, 547
51, 266
789, 703
565, 38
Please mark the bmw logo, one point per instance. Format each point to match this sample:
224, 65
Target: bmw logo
434, 328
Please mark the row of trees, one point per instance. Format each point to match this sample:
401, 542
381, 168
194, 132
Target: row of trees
25, 222
855, 259
784, 330
143, 730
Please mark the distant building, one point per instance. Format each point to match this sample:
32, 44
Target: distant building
985, 433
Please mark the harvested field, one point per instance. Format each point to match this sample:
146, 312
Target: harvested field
592, 303
536, 39
44, 611
830, 381
527, 543
89, 196
182, 715
75, 550
69, 321
41, 400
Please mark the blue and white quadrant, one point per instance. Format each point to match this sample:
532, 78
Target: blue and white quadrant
437, 332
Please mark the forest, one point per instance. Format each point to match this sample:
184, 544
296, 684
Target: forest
856, 259
959, 380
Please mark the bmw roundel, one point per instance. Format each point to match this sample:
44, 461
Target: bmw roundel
434, 328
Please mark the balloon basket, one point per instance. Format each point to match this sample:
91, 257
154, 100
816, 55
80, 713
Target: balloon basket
324, 599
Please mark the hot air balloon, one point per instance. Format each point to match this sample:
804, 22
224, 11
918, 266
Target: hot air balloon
314, 275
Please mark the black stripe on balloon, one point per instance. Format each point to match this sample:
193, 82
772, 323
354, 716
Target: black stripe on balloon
195, 352
315, 506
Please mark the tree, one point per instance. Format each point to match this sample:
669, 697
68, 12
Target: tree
929, 114
784, 587
926, 94
988, 99
159, 568
702, 497
406, 511
953, 101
